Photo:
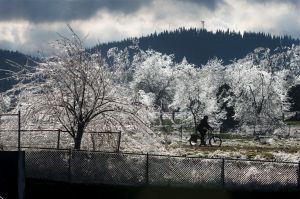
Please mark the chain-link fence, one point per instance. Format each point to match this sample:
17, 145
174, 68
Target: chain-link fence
53, 162
13, 137
178, 171
156, 170
48, 164
9, 131
58, 139
253, 175
104, 168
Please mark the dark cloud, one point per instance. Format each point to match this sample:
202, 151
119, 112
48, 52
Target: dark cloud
293, 2
63, 10
211, 4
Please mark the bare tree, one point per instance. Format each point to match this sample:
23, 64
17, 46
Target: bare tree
75, 90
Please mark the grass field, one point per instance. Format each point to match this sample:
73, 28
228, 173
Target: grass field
271, 148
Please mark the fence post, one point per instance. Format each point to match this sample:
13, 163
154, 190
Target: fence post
19, 130
299, 175
93, 141
223, 173
147, 169
119, 142
181, 132
58, 138
70, 166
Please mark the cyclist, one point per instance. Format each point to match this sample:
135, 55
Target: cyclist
202, 127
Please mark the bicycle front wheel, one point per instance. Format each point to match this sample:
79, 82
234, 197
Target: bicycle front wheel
215, 141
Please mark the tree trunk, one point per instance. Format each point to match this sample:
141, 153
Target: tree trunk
195, 122
173, 116
161, 121
78, 137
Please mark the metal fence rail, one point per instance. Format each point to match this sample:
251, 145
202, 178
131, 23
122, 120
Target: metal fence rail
157, 170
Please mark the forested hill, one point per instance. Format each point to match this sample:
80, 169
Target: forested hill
9, 55
197, 45
200, 45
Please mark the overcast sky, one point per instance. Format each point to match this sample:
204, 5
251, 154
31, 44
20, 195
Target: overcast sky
29, 25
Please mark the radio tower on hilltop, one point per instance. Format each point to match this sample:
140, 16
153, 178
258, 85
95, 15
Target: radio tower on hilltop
202, 22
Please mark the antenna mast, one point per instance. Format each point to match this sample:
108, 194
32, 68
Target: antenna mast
202, 22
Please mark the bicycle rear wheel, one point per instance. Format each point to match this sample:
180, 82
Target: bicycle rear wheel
192, 143
193, 140
215, 141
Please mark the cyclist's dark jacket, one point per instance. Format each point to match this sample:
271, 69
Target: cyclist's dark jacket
203, 125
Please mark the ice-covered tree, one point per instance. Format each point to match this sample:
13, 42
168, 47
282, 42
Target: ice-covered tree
3, 104
75, 90
154, 79
258, 91
124, 61
196, 91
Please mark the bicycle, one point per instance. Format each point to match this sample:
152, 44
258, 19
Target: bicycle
210, 139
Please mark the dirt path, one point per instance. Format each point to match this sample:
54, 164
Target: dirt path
240, 148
